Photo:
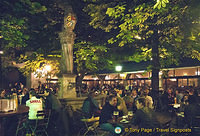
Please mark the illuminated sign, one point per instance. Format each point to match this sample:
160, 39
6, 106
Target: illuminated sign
118, 130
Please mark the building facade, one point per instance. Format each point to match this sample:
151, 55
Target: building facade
178, 76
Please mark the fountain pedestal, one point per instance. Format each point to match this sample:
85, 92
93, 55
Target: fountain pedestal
67, 86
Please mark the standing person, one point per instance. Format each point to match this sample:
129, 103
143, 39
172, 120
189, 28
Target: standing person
107, 114
40, 86
197, 96
91, 106
59, 114
16, 86
166, 99
179, 96
21, 86
121, 106
25, 96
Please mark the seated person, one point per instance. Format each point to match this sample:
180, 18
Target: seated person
129, 102
184, 100
191, 110
107, 115
59, 115
3, 94
148, 98
51, 101
197, 96
184, 103
134, 95
144, 116
121, 105
34, 105
90, 106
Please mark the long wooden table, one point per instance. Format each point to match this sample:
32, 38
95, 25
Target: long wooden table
22, 109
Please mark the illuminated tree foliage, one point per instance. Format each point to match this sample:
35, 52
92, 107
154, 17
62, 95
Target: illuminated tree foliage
90, 58
36, 63
30, 26
14, 27
36, 29
163, 33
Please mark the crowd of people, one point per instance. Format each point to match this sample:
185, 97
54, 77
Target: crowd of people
22, 92
145, 106
139, 100
38, 99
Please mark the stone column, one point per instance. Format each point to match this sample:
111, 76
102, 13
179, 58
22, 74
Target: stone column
67, 37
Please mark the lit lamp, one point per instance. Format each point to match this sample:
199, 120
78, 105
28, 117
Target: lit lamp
118, 69
48, 69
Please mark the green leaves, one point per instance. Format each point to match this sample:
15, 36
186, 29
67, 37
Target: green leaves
172, 26
12, 31
161, 3
14, 22
89, 56
34, 7
36, 63
116, 12
142, 54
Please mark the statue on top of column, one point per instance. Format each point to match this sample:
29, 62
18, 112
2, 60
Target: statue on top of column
67, 37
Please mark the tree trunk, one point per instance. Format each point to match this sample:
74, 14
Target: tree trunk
79, 80
1, 75
155, 64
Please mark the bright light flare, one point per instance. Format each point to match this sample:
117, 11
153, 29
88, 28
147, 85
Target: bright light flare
48, 68
118, 68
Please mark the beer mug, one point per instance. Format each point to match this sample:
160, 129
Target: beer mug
130, 114
115, 115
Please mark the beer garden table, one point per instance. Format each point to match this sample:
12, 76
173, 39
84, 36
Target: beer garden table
22, 109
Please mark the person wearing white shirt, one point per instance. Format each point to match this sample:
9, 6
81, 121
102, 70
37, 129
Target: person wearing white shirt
34, 105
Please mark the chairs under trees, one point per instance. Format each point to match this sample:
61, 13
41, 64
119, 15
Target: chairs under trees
40, 125
21, 128
196, 126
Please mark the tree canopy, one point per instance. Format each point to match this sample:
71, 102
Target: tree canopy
163, 35
37, 62
137, 22
13, 21
34, 26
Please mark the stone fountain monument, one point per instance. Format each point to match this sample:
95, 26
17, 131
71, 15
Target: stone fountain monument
67, 37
